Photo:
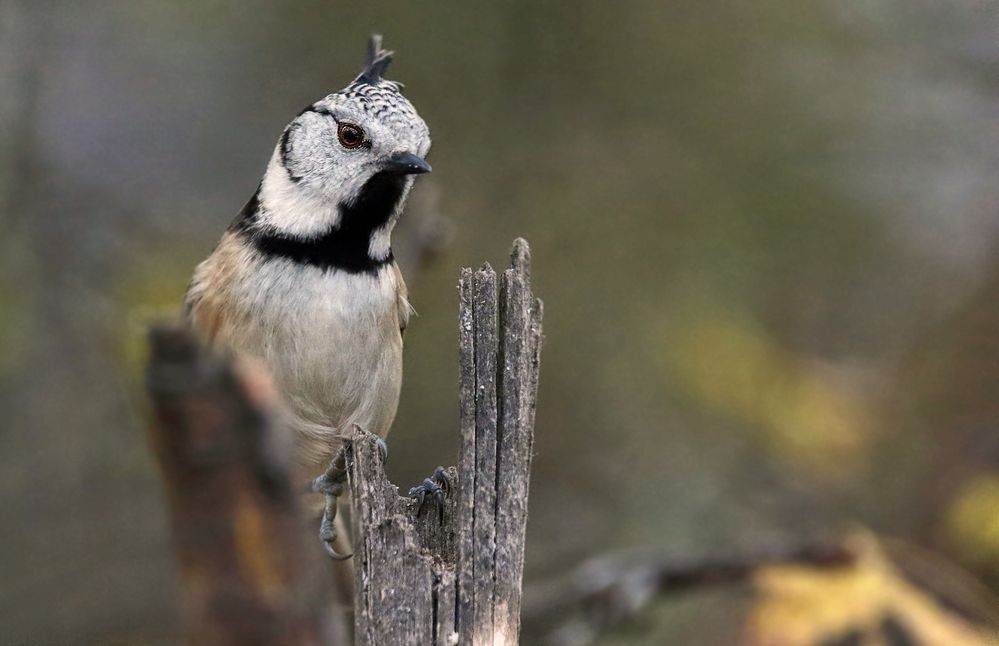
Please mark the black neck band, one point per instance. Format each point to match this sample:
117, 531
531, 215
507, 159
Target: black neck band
344, 248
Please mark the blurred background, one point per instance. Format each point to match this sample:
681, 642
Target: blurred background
765, 234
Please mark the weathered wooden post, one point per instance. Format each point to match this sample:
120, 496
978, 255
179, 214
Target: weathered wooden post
423, 580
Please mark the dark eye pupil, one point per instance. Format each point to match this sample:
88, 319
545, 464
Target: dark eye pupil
350, 135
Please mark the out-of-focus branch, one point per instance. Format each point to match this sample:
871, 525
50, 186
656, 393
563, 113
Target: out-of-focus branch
244, 564
608, 590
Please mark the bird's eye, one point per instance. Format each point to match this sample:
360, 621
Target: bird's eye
350, 136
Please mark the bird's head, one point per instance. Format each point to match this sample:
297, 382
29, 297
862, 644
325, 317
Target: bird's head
362, 144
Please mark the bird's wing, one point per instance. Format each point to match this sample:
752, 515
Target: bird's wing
202, 312
209, 296
203, 315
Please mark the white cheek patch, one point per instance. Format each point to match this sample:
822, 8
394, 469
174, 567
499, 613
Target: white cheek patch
293, 208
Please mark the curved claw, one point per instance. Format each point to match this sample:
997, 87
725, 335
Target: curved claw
437, 487
419, 493
332, 487
333, 554
443, 479
382, 449
327, 534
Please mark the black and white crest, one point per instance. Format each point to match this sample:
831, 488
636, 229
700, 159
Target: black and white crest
376, 64
376, 95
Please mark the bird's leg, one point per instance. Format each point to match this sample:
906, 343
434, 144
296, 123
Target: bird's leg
382, 449
332, 484
436, 487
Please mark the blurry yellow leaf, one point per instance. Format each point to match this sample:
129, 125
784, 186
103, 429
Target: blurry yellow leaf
868, 603
973, 521
731, 368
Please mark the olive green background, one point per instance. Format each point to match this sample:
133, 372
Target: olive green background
765, 234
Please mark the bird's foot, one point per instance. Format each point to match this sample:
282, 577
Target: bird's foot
437, 487
332, 484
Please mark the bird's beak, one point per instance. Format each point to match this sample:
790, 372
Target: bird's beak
407, 164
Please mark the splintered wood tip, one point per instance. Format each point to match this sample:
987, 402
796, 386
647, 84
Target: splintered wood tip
520, 255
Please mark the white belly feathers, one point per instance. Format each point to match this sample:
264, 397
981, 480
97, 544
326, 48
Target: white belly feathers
334, 345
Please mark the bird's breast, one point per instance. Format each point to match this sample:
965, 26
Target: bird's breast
332, 341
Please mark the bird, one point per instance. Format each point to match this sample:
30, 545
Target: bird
304, 280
